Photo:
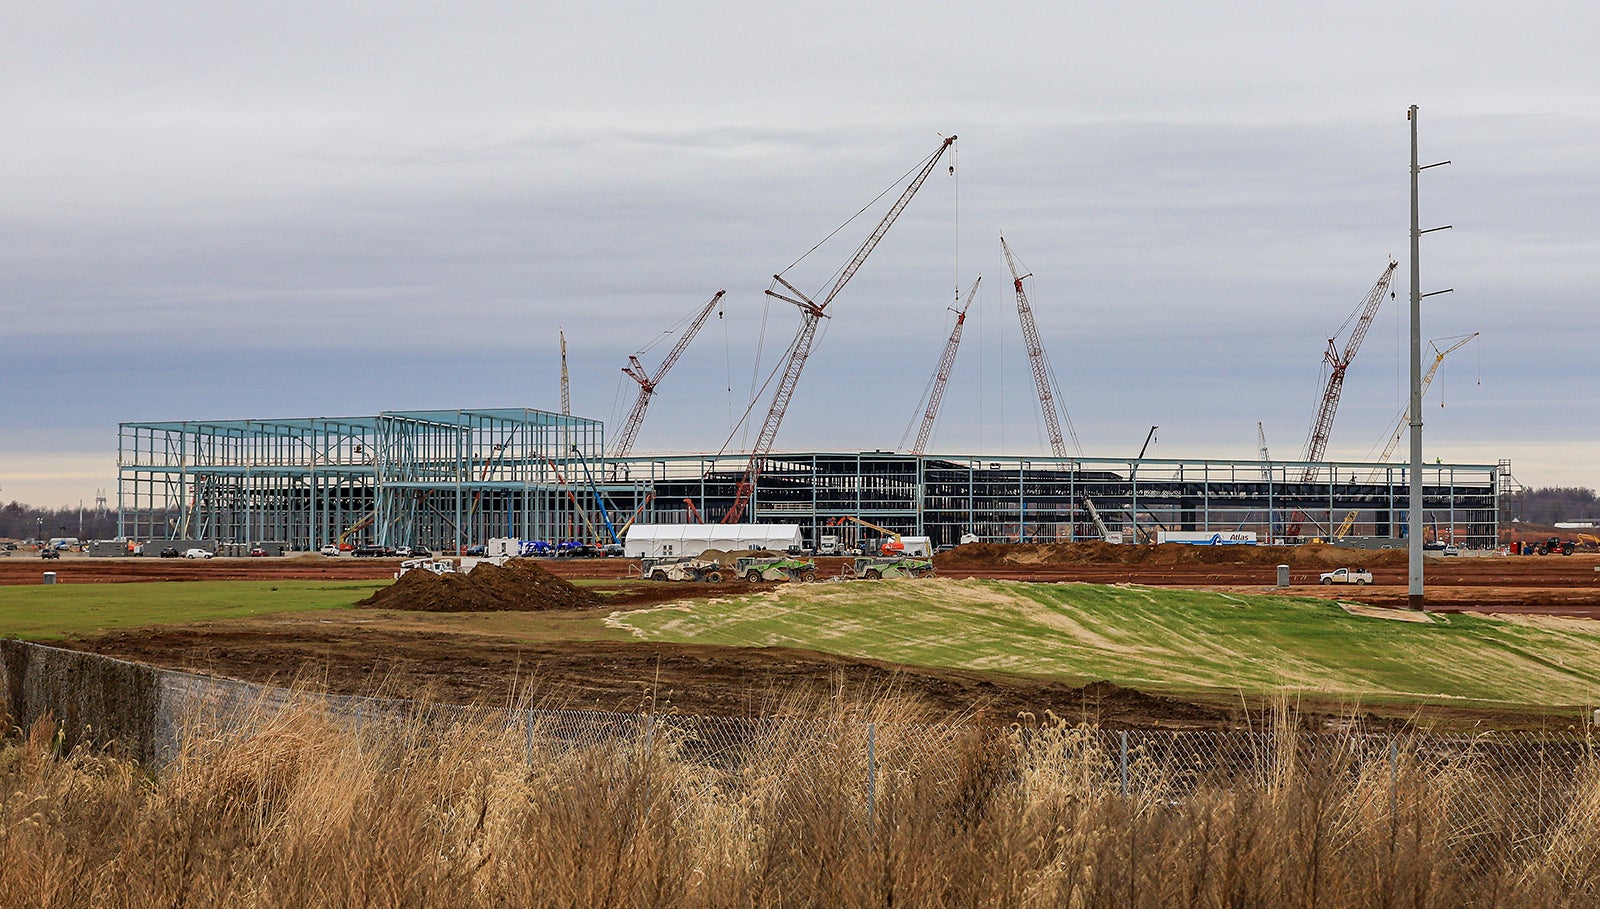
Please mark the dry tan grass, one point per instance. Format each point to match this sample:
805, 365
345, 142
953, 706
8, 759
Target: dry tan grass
301, 811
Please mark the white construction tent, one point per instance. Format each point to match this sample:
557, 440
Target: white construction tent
645, 541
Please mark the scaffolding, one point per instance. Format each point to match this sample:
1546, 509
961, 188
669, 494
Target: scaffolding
450, 479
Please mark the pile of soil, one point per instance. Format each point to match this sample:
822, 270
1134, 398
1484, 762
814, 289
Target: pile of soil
1310, 555
518, 586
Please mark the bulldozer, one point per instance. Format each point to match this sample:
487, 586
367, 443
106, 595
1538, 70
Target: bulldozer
873, 569
758, 568
686, 568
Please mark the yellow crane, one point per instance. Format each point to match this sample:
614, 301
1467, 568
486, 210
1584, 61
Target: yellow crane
1405, 418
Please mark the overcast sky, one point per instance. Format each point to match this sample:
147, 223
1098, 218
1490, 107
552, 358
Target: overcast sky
225, 211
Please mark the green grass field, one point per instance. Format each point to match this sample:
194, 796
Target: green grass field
76, 610
1158, 639
1183, 642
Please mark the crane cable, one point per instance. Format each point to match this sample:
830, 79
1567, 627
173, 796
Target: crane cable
761, 344
875, 199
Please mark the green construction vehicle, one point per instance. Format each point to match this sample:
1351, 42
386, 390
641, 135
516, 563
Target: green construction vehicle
686, 568
757, 568
873, 569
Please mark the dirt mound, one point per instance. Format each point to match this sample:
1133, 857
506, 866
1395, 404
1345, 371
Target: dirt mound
1000, 555
520, 586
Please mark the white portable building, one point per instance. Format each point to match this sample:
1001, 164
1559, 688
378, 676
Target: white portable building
656, 540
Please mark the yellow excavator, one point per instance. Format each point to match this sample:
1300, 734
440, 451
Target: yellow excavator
344, 538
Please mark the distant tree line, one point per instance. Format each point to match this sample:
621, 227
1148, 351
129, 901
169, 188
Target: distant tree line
1549, 504
22, 522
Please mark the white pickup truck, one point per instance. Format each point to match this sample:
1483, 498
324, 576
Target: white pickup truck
1359, 576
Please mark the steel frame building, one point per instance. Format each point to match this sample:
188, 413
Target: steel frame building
455, 478
1049, 499
441, 478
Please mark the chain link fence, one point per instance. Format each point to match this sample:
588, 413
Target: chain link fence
1524, 785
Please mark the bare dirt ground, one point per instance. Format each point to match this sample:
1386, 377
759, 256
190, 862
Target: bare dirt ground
370, 650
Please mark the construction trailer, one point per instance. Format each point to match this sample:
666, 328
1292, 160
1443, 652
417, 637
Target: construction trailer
645, 541
457, 478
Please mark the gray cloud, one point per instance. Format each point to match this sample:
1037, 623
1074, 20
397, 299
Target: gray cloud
270, 211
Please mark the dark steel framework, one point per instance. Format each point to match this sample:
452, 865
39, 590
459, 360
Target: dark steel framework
1045, 499
454, 478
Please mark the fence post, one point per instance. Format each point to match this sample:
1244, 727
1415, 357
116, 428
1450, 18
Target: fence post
1123, 763
649, 731
872, 773
1394, 774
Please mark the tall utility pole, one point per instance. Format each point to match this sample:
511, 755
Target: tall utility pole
1414, 505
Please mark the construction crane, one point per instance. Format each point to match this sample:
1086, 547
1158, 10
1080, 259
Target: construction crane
1338, 363
1403, 422
648, 383
566, 395
1266, 457
941, 376
811, 314
1146, 446
1427, 379
1036, 356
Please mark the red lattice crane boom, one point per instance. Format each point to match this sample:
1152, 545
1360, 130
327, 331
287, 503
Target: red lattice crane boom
941, 377
1338, 363
811, 314
1036, 356
647, 383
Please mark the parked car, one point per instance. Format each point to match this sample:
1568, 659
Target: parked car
198, 553
170, 552
257, 553
329, 550
49, 554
